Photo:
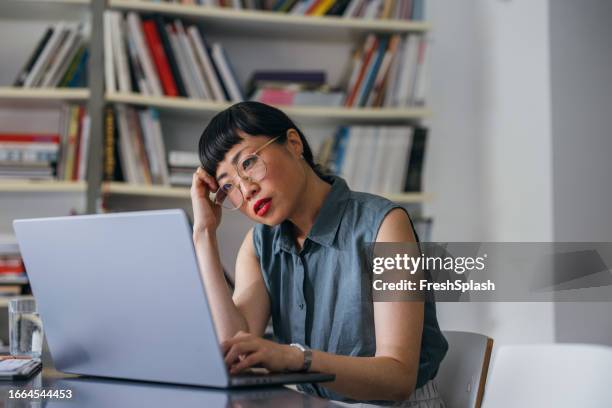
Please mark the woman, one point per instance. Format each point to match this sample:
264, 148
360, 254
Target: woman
302, 265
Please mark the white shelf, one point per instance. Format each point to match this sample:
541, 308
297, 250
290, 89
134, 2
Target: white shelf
305, 113
268, 22
126, 189
43, 10
31, 97
409, 198
116, 188
43, 186
44, 93
58, 2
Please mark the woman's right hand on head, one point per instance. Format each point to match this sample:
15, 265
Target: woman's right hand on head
206, 214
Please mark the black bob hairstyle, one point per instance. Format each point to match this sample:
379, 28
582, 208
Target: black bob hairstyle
252, 118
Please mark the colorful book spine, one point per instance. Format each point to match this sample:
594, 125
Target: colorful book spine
23, 74
369, 80
159, 57
171, 57
369, 48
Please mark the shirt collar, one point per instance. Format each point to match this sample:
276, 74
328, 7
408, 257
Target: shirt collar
325, 227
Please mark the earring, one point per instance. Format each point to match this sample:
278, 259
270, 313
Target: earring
302, 156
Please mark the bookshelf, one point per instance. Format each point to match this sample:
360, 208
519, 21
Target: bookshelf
221, 22
44, 94
33, 186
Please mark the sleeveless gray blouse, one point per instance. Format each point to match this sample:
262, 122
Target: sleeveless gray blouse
320, 296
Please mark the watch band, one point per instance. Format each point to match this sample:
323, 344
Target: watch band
307, 355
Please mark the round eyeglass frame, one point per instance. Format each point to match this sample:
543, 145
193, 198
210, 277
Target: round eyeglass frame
244, 177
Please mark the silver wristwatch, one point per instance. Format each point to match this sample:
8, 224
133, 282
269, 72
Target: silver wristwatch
307, 355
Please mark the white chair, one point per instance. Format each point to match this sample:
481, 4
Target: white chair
550, 375
462, 375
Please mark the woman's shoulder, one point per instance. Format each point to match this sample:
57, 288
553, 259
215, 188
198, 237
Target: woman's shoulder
368, 207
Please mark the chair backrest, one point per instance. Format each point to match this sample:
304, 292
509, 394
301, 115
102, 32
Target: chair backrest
463, 372
550, 375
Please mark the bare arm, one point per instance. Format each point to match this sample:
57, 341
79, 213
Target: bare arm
391, 374
249, 308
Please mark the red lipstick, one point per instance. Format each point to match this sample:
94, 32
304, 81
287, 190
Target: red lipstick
262, 206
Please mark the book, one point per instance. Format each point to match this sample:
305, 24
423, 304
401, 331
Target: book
142, 162
135, 151
69, 42
73, 176
229, 79
43, 59
181, 61
352, 8
23, 74
414, 173
193, 67
406, 74
369, 48
177, 158
418, 10
134, 28
137, 73
81, 173
171, 57
109, 67
159, 57
159, 147
127, 155
203, 55
368, 82
379, 159
419, 91
338, 8
120, 59
375, 96
68, 72
109, 160
322, 7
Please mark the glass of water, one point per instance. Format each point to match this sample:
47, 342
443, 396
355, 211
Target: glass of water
25, 328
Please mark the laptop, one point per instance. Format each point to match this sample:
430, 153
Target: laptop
121, 296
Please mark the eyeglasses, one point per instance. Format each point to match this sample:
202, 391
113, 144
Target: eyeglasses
251, 168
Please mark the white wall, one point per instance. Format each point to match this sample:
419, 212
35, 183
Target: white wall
490, 156
581, 62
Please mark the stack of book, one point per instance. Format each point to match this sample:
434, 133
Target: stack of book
59, 59
182, 166
134, 149
308, 88
160, 57
61, 156
28, 156
377, 159
12, 270
388, 72
388, 9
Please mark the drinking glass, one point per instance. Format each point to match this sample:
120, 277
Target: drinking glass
25, 328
